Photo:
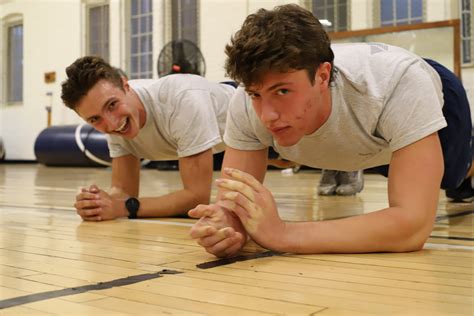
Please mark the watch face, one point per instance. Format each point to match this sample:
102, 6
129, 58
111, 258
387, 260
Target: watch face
132, 204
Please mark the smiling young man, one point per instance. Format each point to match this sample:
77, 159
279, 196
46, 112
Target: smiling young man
175, 117
342, 107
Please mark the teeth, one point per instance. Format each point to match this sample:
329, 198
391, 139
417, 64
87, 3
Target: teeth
121, 126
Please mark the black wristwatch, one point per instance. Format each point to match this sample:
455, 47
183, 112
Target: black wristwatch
132, 204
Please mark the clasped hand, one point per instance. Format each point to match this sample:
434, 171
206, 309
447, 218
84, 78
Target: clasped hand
94, 204
220, 233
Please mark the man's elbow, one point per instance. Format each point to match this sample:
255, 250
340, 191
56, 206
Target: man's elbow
413, 243
414, 231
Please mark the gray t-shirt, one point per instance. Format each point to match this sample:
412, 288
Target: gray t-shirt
185, 115
383, 98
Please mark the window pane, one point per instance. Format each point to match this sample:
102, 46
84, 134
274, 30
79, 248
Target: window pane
466, 51
318, 3
98, 35
387, 11
341, 18
402, 9
143, 64
466, 24
15, 64
134, 25
145, 6
330, 17
184, 20
319, 13
134, 45
416, 9
466, 5
144, 25
134, 7
141, 45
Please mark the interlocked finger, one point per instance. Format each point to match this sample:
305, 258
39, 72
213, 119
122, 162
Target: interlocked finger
85, 195
244, 177
242, 205
202, 211
217, 237
237, 186
199, 232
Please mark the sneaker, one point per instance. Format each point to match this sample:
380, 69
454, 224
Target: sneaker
350, 183
464, 193
328, 182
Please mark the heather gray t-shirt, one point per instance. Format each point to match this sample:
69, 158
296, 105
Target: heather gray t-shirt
383, 98
185, 115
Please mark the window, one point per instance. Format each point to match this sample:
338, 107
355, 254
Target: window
185, 20
399, 12
141, 39
14, 62
334, 12
466, 31
98, 31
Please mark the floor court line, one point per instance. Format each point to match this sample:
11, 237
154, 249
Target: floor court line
20, 300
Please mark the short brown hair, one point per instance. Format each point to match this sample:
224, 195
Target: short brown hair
287, 37
83, 74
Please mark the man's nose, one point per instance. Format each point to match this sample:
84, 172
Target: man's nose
268, 113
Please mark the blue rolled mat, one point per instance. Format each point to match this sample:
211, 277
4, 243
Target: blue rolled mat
72, 145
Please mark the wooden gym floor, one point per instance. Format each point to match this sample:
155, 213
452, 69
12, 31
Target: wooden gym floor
52, 263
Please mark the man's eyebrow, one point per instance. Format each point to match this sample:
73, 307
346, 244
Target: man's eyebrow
275, 86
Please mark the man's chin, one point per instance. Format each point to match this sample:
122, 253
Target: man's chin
286, 142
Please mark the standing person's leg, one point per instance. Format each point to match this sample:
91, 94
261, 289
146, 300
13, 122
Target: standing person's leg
340, 182
350, 183
328, 182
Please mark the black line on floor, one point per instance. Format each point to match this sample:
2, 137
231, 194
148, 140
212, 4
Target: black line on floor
453, 238
11, 302
226, 261
464, 213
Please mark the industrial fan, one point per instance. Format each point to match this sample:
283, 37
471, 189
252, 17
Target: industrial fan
181, 56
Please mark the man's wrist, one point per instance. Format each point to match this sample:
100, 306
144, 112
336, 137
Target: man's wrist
284, 243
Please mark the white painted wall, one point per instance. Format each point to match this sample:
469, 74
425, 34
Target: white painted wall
438, 10
54, 38
361, 14
51, 40
220, 19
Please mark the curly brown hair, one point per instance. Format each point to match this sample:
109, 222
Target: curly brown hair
83, 74
287, 37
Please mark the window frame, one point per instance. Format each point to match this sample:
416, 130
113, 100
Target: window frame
470, 32
128, 40
91, 4
8, 22
309, 4
378, 14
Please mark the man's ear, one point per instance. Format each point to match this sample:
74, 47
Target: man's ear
323, 74
125, 85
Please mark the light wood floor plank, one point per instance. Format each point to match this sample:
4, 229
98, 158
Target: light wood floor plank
44, 246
